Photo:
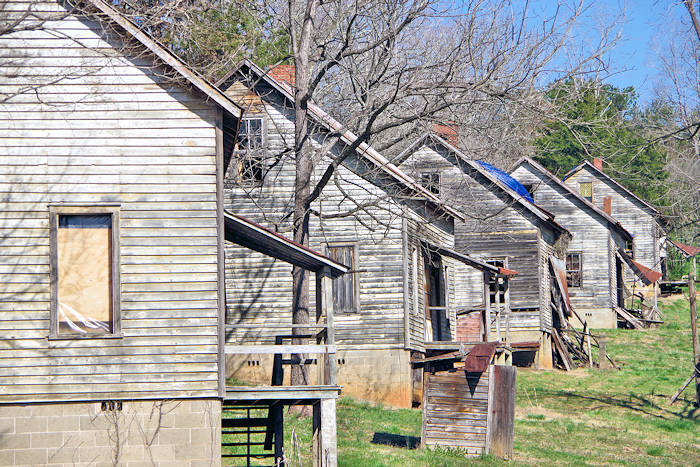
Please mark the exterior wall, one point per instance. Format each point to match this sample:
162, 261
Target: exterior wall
101, 128
592, 237
173, 433
633, 215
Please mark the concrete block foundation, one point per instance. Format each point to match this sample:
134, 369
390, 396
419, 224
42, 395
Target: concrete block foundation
135, 433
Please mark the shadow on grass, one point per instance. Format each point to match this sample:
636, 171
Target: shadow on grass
634, 403
399, 441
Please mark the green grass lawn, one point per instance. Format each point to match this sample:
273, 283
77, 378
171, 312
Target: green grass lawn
583, 417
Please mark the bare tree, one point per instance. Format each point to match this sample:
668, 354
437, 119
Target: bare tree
388, 70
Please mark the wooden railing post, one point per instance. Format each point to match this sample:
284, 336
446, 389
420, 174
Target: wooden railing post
487, 308
498, 308
324, 296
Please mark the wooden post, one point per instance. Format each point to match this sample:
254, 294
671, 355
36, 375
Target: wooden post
590, 356
331, 363
602, 354
506, 294
487, 309
325, 437
498, 308
694, 328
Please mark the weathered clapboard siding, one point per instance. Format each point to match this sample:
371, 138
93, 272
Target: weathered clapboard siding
88, 125
259, 289
593, 236
640, 220
498, 227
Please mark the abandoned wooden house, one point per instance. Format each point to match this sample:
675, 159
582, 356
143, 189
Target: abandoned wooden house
594, 268
504, 228
396, 237
637, 216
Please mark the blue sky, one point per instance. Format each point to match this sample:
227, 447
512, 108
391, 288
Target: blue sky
643, 25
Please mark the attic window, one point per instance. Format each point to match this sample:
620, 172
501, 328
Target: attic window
629, 248
250, 151
586, 190
530, 187
431, 181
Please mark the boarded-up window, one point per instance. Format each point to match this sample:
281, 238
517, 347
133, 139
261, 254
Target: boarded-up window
431, 181
84, 269
250, 151
574, 269
345, 287
493, 288
586, 190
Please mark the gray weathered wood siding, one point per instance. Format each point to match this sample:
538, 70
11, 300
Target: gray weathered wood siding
591, 237
455, 412
418, 233
259, 291
86, 125
638, 219
497, 228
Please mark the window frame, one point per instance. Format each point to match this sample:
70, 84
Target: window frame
93, 209
580, 269
492, 261
581, 193
432, 187
242, 153
353, 270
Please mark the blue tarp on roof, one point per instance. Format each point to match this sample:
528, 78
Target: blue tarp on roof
509, 181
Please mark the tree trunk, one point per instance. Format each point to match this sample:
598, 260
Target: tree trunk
304, 167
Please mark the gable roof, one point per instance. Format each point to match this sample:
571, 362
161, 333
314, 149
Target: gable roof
244, 232
614, 223
160, 51
607, 177
364, 150
477, 166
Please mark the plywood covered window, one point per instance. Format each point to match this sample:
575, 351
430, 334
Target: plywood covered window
346, 291
250, 151
84, 271
574, 269
586, 190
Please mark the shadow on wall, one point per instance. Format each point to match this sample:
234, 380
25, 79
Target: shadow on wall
399, 441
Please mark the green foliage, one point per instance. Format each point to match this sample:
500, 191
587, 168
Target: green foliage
600, 120
211, 37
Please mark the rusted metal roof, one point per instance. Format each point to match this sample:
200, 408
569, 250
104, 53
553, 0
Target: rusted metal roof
688, 251
647, 275
479, 357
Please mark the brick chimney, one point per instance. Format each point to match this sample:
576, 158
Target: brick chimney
598, 163
446, 131
607, 205
283, 74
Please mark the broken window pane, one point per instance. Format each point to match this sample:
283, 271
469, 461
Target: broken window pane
84, 274
250, 151
574, 270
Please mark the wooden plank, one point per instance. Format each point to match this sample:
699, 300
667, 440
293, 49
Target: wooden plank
502, 410
280, 349
629, 318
